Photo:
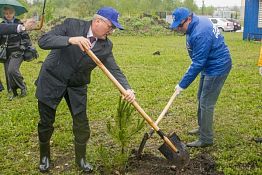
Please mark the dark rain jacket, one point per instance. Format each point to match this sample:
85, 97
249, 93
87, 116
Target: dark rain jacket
67, 68
16, 41
6, 29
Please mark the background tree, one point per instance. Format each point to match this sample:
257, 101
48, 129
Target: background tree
209, 10
190, 4
170, 5
128, 7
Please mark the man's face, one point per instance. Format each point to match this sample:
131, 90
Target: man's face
182, 27
9, 14
101, 28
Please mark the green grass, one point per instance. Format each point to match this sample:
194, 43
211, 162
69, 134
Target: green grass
238, 115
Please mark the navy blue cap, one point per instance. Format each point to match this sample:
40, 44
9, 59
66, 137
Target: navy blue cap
179, 15
111, 14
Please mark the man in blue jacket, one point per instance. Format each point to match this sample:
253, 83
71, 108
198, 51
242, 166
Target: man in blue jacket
211, 57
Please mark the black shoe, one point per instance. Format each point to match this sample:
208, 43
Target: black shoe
194, 131
258, 140
199, 143
14, 95
23, 92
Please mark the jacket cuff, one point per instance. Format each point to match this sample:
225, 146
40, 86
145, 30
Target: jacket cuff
179, 88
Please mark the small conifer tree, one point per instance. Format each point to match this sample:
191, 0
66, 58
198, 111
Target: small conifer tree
122, 127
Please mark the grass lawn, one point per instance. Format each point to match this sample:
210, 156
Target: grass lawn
238, 115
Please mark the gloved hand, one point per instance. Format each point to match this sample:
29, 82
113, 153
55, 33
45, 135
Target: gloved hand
178, 89
260, 70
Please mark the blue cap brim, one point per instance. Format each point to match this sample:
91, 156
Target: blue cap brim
117, 25
174, 25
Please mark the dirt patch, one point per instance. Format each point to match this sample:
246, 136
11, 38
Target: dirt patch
149, 164
153, 165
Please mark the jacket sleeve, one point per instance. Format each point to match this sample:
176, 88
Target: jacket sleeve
56, 38
24, 36
200, 49
114, 69
25, 39
6, 29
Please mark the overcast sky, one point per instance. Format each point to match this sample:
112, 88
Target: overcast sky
219, 3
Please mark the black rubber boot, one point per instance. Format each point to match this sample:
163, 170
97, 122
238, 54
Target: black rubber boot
80, 159
44, 164
1, 86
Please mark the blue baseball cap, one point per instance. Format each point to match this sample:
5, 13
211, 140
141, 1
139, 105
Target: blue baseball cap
179, 15
111, 14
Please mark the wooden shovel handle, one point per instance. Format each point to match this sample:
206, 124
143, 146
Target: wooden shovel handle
134, 103
163, 113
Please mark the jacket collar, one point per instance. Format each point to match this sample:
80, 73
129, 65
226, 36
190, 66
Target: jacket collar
90, 33
99, 43
192, 24
87, 25
12, 21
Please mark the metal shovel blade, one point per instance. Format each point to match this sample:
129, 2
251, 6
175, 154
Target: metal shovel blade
142, 145
151, 132
179, 158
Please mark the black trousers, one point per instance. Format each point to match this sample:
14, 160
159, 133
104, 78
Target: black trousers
81, 129
14, 78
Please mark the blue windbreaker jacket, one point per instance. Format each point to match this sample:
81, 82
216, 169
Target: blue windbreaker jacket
207, 50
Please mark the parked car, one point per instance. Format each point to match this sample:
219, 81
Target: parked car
236, 23
222, 24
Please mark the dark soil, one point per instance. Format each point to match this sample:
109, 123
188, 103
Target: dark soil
149, 164
153, 165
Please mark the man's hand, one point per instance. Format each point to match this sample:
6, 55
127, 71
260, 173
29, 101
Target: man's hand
178, 89
260, 70
130, 96
81, 41
30, 24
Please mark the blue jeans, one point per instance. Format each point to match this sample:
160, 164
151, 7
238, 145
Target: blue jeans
208, 92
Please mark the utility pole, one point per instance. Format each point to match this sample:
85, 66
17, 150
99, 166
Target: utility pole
203, 5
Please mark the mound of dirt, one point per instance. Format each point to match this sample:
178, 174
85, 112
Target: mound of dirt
153, 165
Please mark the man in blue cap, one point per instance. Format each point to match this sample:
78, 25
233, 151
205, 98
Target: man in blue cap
66, 73
211, 58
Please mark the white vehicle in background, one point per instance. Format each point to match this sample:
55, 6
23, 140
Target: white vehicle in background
222, 24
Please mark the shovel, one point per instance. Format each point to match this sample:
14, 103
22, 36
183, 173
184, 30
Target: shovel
172, 149
149, 134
